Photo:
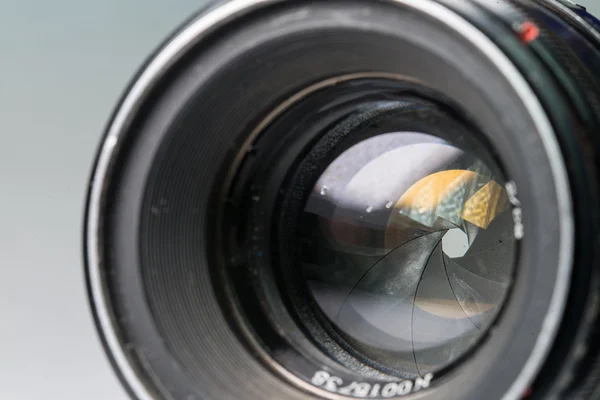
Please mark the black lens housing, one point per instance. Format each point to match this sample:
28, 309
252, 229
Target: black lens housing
185, 210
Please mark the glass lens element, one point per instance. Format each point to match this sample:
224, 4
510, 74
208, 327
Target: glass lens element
408, 249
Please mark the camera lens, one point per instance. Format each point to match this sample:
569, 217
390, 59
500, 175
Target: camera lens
355, 199
408, 249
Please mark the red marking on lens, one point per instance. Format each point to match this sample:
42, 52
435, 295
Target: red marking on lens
527, 393
529, 31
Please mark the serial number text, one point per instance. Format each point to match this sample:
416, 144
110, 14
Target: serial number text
336, 384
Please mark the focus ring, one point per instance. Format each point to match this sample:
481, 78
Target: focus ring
576, 75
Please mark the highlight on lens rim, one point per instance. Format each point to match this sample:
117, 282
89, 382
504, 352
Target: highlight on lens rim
408, 248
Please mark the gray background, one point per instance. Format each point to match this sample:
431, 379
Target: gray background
593, 6
64, 63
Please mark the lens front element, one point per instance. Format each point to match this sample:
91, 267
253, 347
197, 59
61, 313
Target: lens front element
408, 249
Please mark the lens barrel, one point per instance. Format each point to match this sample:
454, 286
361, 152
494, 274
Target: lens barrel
355, 199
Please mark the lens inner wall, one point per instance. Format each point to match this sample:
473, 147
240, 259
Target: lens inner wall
408, 247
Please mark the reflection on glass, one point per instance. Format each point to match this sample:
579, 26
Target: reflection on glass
408, 249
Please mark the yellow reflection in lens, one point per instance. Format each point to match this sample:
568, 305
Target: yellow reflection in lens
485, 205
452, 308
453, 195
426, 194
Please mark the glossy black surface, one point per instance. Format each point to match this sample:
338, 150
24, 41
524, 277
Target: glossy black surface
584, 44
